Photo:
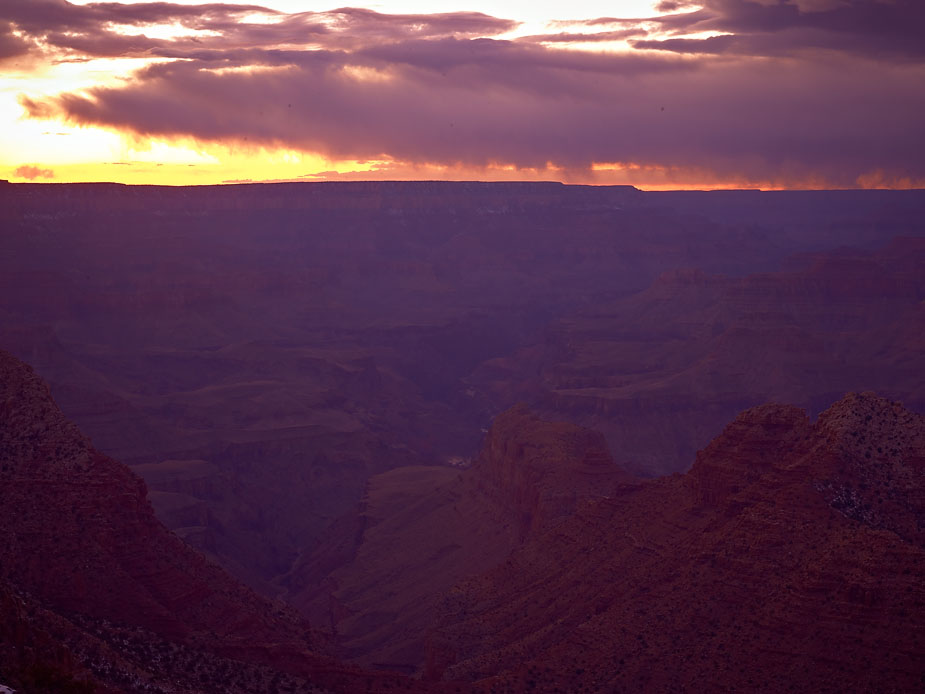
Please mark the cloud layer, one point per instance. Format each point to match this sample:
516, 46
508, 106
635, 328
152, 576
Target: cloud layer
806, 92
889, 30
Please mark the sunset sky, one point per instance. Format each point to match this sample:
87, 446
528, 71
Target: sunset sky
670, 94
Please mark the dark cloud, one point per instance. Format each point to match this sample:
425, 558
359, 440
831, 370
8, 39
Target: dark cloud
80, 31
713, 45
494, 60
666, 21
883, 29
37, 16
373, 24
782, 97
11, 45
672, 6
484, 103
592, 37
888, 30
30, 172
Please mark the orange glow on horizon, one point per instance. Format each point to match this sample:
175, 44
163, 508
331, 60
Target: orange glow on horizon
189, 164
54, 149
58, 151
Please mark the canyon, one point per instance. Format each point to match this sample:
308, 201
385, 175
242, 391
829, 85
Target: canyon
791, 557
461, 436
99, 596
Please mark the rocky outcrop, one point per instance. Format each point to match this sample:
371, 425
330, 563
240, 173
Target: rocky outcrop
78, 527
96, 593
748, 449
878, 472
659, 373
787, 559
541, 470
301, 338
380, 575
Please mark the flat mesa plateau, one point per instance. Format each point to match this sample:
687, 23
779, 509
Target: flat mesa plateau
460, 437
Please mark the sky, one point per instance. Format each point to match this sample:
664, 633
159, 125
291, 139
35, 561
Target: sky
654, 93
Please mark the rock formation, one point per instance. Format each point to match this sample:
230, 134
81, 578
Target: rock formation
97, 595
378, 579
788, 559
301, 338
661, 371
300, 371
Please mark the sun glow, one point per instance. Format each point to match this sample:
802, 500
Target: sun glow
366, 74
467, 81
182, 162
32, 149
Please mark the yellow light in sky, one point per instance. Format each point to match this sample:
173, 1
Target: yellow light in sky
36, 150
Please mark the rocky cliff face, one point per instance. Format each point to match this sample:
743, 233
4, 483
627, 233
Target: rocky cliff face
98, 595
378, 579
787, 559
878, 471
659, 373
542, 470
269, 356
301, 338
79, 528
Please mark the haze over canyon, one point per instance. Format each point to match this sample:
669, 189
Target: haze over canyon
461, 437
